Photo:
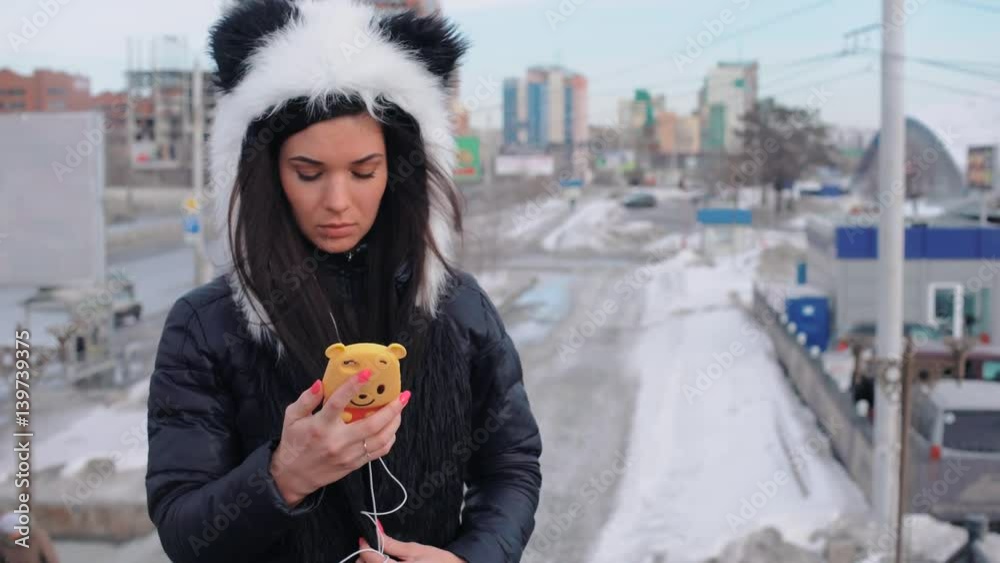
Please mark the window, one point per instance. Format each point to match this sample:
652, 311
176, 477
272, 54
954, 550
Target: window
12, 92
56, 91
974, 431
991, 371
57, 105
16, 105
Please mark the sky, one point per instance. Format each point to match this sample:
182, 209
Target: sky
665, 46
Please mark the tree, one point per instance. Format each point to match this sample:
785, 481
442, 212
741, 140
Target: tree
780, 145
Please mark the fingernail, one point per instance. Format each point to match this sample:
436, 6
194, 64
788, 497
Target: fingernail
316, 387
405, 398
361, 542
380, 528
364, 376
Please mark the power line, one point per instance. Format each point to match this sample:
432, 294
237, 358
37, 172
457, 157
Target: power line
722, 39
989, 8
954, 66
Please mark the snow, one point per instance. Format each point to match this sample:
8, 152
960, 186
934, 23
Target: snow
600, 225
721, 446
114, 433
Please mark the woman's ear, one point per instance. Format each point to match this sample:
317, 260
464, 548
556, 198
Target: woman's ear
397, 350
335, 350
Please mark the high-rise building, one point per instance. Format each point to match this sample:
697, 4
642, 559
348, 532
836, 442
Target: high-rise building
729, 92
666, 132
579, 131
548, 108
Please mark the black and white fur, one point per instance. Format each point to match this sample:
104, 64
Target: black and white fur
269, 52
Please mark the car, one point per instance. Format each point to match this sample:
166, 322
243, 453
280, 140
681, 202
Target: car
639, 199
959, 418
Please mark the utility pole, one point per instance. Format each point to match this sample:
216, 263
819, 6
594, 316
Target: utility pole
202, 267
889, 346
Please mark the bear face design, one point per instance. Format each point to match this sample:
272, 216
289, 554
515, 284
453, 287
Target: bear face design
384, 385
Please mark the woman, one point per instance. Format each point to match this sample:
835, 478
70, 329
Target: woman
330, 158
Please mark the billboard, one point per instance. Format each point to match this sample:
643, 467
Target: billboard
531, 165
469, 166
982, 167
51, 186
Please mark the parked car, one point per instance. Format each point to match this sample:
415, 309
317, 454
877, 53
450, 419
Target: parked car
937, 360
639, 199
960, 418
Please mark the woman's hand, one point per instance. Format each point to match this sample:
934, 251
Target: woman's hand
318, 449
406, 552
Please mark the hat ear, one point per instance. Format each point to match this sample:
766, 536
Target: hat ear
435, 42
240, 31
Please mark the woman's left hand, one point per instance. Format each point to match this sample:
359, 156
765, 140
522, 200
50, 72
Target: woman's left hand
407, 552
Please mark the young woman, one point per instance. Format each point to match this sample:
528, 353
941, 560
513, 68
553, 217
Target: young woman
330, 157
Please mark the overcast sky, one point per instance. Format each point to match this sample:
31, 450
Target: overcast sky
618, 44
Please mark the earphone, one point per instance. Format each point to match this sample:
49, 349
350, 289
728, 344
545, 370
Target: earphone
374, 514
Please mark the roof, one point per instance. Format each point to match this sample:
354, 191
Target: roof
952, 394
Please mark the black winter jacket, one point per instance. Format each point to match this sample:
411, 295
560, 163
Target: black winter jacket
210, 492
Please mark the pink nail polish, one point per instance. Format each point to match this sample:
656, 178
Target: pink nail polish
380, 528
364, 376
405, 398
316, 387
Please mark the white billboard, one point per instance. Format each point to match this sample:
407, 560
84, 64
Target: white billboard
51, 186
531, 165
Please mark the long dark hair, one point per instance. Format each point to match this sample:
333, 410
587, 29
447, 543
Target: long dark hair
273, 258
283, 270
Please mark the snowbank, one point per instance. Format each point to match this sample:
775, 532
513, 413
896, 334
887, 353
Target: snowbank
721, 447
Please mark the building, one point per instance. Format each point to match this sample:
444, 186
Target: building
547, 109
687, 135
729, 92
45, 90
950, 273
666, 132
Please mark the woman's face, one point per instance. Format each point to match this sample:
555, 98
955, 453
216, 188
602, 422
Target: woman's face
334, 174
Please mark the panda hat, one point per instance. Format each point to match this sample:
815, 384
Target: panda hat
273, 52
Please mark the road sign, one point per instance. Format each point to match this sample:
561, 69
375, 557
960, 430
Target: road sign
191, 205
192, 226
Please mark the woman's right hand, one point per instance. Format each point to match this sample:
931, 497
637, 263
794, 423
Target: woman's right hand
318, 449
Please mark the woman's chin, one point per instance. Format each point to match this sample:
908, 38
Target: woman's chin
336, 245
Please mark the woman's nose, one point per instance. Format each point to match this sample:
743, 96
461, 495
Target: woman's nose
336, 196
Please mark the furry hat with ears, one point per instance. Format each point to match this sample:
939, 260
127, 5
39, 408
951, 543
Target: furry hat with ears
270, 52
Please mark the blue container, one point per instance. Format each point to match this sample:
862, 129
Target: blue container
811, 315
800, 273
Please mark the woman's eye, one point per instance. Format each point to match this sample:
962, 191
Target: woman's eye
361, 176
312, 178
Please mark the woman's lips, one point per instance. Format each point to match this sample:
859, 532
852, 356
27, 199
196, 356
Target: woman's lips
336, 231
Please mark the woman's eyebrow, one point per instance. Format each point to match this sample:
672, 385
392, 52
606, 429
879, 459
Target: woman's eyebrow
363, 160
306, 160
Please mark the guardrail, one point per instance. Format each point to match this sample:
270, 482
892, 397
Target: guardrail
952, 490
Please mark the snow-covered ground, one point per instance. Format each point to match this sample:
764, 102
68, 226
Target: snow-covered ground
721, 446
